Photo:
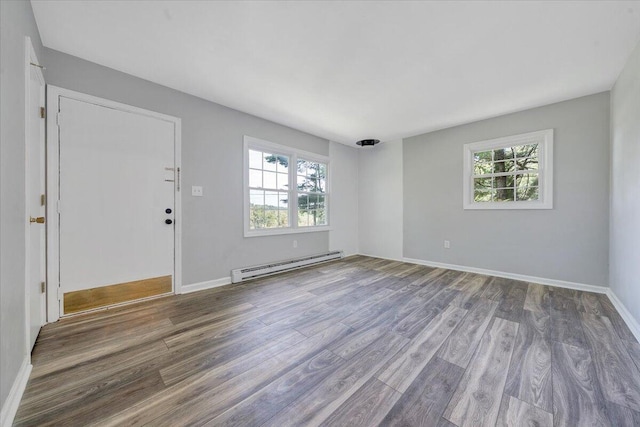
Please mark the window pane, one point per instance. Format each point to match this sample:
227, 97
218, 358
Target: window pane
280, 202
503, 195
502, 181
313, 184
269, 180
322, 186
255, 159
504, 166
322, 217
283, 181
273, 162
283, 164
322, 171
528, 193
313, 201
302, 167
270, 161
482, 183
303, 201
303, 218
482, 168
256, 197
321, 201
485, 156
255, 178
527, 180
529, 150
283, 218
283, 201
256, 217
508, 153
305, 184
502, 154
529, 163
270, 218
271, 199
482, 195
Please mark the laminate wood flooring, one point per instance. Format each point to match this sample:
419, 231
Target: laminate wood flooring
359, 342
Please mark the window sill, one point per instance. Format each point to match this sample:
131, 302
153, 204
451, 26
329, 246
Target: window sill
277, 232
507, 205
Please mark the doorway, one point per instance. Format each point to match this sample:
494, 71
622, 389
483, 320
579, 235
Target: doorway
114, 189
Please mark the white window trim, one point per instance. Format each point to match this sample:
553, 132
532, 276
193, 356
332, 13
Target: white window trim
545, 170
293, 153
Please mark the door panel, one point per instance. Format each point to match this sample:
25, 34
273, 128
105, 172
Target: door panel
35, 205
116, 183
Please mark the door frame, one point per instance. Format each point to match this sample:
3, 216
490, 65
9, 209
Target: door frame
31, 59
54, 93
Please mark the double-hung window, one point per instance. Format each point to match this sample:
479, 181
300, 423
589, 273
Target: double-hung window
286, 190
514, 172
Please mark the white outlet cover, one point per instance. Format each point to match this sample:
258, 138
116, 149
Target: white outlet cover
196, 190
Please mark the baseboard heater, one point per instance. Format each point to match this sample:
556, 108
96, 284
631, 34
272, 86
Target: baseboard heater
247, 273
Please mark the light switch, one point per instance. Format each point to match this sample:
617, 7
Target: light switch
196, 190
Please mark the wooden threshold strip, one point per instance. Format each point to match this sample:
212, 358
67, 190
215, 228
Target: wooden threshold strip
103, 296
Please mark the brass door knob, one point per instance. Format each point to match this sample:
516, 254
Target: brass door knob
39, 220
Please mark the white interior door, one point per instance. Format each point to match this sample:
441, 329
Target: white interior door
116, 192
35, 191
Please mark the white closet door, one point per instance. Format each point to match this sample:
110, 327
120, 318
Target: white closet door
35, 204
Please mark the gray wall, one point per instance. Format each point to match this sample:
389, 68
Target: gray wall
625, 186
344, 218
16, 22
569, 242
212, 144
380, 200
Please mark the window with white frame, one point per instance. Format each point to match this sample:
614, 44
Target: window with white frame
285, 189
311, 185
513, 172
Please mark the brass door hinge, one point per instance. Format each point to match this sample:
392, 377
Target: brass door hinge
43, 287
43, 113
43, 199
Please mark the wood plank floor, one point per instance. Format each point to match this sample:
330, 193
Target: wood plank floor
358, 342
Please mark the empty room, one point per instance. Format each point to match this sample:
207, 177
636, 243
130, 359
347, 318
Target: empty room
319, 213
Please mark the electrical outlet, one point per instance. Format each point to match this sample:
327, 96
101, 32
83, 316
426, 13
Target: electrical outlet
196, 191
447, 244
295, 243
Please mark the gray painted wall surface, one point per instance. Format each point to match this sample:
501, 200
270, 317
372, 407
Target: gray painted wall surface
625, 186
212, 144
16, 22
569, 242
380, 200
343, 198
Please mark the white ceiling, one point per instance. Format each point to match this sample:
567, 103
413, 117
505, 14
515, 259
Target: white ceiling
351, 70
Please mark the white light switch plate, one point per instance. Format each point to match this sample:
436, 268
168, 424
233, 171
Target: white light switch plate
196, 191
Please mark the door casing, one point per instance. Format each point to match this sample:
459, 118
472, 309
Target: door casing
54, 94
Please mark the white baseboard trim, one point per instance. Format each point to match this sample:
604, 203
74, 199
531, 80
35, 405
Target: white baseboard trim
194, 287
344, 254
522, 277
10, 405
387, 258
631, 322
